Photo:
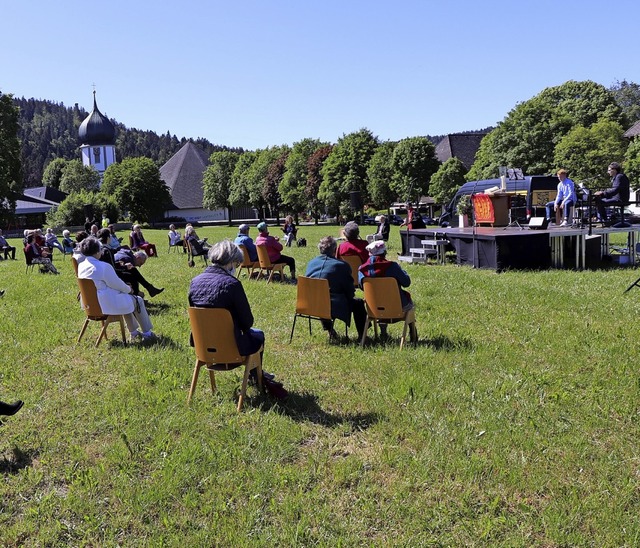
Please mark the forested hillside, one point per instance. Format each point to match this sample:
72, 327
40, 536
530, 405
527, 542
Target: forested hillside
49, 130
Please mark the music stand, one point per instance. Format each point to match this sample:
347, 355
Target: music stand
513, 174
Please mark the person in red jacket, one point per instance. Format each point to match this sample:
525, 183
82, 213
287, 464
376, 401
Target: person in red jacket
274, 247
353, 244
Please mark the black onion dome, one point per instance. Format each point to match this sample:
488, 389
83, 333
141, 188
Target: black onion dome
97, 129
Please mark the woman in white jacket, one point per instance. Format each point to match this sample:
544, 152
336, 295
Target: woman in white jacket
114, 295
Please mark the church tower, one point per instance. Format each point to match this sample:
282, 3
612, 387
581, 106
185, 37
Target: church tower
98, 137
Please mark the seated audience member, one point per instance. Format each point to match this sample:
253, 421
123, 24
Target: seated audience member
37, 255
377, 266
175, 239
114, 296
39, 237
67, 242
52, 241
353, 244
6, 248
139, 243
217, 287
26, 236
341, 289
9, 409
290, 230
244, 239
94, 231
198, 246
126, 267
274, 247
115, 243
383, 230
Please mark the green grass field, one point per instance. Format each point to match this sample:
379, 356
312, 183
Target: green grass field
515, 420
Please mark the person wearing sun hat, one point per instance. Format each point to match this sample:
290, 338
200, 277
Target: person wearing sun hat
274, 247
244, 239
377, 266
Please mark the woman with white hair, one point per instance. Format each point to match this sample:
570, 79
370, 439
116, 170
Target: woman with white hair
354, 245
67, 242
138, 242
217, 287
52, 241
114, 296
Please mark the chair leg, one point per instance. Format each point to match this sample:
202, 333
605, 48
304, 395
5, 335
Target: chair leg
364, 332
103, 332
404, 334
194, 379
122, 331
84, 328
245, 379
295, 317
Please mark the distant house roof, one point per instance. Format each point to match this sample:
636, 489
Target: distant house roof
183, 175
38, 199
460, 145
633, 131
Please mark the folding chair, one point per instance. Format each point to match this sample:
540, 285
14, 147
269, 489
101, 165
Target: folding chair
313, 302
247, 263
30, 265
191, 255
266, 264
216, 348
383, 305
355, 263
173, 246
91, 306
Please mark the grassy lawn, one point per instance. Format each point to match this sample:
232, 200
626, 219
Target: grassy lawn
514, 422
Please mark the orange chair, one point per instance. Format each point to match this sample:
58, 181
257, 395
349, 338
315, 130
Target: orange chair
91, 306
355, 263
247, 263
267, 265
383, 305
215, 346
313, 302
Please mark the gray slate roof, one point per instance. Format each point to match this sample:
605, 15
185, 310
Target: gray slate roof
183, 175
460, 145
633, 131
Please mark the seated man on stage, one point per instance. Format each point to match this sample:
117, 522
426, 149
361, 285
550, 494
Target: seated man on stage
565, 198
341, 289
617, 195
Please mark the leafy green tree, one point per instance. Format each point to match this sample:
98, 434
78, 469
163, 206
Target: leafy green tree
345, 170
632, 163
414, 162
586, 152
527, 137
627, 95
10, 165
71, 211
217, 180
447, 180
314, 180
53, 172
256, 175
76, 177
380, 172
136, 185
294, 180
239, 192
272, 181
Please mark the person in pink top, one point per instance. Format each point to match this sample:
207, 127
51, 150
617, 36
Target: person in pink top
274, 247
353, 245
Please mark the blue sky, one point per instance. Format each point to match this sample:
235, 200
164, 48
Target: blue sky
256, 74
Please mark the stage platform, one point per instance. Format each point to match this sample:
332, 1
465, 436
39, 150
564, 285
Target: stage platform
506, 248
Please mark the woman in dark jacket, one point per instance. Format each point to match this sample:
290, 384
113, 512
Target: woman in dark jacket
217, 287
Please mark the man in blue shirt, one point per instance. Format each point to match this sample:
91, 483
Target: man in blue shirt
565, 198
244, 239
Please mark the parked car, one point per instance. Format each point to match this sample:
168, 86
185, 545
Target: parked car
368, 220
395, 220
429, 220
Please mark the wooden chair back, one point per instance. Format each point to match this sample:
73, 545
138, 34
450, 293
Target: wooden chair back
354, 262
247, 263
215, 346
263, 257
382, 298
213, 337
313, 298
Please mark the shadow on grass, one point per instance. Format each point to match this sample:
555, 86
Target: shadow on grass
304, 407
437, 343
157, 308
17, 461
158, 340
